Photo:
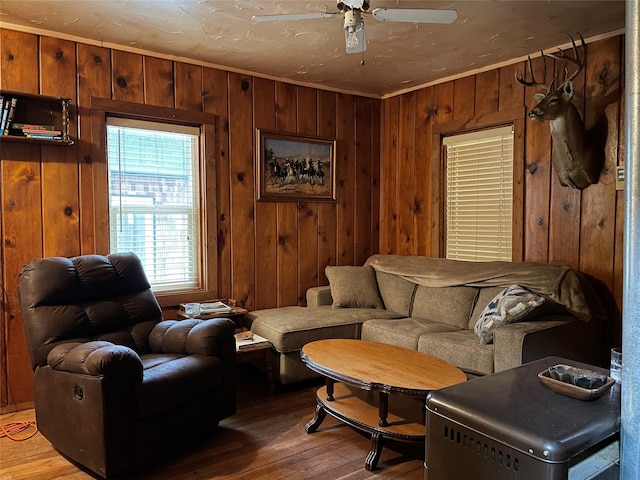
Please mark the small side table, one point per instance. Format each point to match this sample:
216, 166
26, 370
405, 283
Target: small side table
260, 351
237, 314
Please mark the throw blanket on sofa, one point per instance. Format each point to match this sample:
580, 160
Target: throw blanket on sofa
560, 284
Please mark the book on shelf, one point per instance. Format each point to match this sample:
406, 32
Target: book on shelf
11, 112
4, 111
248, 340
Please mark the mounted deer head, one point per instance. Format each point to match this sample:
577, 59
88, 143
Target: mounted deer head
577, 157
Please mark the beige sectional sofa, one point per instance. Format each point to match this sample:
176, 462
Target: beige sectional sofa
481, 317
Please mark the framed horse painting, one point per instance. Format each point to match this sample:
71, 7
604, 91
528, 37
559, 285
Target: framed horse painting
295, 168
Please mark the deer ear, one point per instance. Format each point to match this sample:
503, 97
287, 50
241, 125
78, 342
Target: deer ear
538, 96
567, 89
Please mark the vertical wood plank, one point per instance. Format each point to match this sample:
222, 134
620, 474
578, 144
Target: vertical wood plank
597, 229
487, 92
94, 73
537, 180
19, 53
464, 98
564, 226
214, 84
158, 82
327, 212
127, 77
511, 92
242, 178
406, 174
20, 223
345, 178
443, 113
618, 263
60, 198
364, 165
307, 211
21, 243
388, 186
425, 109
264, 116
188, 86
287, 213
376, 134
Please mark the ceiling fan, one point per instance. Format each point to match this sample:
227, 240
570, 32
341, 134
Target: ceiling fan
352, 11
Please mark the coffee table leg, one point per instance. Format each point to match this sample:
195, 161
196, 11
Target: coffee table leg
329, 384
320, 415
371, 462
383, 409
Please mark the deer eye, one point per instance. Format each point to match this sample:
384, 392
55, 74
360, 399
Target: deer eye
553, 100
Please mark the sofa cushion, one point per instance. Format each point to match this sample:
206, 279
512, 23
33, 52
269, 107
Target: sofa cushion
512, 304
403, 332
353, 287
450, 305
397, 293
289, 328
460, 348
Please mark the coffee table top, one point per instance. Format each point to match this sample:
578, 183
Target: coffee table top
380, 366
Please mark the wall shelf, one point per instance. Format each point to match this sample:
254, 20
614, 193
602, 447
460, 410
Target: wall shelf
49, 112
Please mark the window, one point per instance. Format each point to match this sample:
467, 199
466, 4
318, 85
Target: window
479, 195
154, 199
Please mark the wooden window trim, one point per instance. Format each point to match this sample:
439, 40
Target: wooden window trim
515, 117
103, 107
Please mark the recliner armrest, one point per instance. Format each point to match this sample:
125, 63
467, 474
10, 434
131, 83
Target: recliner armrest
204, 337
96, 358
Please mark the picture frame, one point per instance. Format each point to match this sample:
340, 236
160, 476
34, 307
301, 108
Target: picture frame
295, 168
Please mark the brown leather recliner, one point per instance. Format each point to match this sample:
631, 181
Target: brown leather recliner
115, 386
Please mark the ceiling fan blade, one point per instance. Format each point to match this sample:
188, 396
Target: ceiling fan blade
291, 16
414, 15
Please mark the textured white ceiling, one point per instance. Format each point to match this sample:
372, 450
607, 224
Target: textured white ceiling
399, 55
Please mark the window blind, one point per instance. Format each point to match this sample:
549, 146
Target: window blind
479, 195
154, 199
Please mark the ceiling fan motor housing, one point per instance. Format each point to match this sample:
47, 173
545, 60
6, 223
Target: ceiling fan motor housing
346, 5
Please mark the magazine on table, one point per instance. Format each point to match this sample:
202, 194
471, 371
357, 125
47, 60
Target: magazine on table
215, 307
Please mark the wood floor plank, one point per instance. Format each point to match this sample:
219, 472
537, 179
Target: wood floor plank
265, 440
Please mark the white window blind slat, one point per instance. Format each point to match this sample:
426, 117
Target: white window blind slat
154, 190
479, 195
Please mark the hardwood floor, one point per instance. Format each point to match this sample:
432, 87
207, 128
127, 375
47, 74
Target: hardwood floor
266, 439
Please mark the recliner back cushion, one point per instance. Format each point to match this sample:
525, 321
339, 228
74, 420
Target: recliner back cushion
396, 292
450, 305
88, 297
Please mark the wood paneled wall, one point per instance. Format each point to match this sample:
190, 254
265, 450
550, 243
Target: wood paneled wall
581, 229
388, 186
268, 253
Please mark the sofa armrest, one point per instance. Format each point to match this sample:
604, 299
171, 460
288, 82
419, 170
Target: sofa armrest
318, 296
96, 358
204, 337
551, 335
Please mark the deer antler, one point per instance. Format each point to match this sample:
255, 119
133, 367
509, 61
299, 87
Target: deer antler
534, 83
576, 60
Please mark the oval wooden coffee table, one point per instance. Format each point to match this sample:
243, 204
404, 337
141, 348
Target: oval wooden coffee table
381, 388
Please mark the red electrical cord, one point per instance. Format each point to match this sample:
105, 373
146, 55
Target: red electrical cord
13, 429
